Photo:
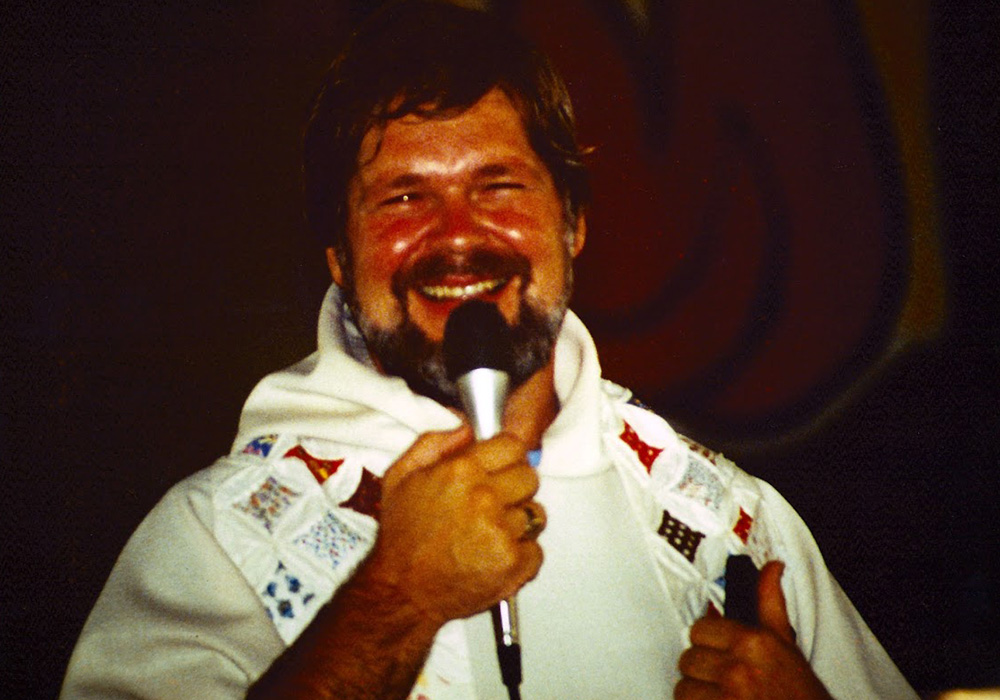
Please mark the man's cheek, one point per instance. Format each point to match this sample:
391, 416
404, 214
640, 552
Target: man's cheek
378, 304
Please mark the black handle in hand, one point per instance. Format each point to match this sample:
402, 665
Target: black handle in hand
741, 590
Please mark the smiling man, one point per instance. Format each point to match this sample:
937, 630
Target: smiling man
442, 210
353, 541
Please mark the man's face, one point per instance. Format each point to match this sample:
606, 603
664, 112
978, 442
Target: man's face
445, 210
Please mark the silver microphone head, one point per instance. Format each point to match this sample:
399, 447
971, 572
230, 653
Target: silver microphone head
477, 357
484, 392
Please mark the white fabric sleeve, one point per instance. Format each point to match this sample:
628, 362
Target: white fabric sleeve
176, 618
840, 647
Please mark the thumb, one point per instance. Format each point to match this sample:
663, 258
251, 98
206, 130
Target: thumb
426, 450
772, 612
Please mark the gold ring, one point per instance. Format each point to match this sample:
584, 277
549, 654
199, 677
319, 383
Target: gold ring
535, 523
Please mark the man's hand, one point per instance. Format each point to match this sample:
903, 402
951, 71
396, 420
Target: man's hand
453, 540
453, 525
732, 661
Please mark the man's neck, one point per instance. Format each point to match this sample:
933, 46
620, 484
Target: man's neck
532, 407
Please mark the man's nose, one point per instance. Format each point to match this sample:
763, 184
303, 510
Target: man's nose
458, 223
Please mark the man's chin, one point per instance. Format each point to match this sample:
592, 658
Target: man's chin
408, 353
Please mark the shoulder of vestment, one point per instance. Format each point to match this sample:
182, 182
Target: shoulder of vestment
698, 500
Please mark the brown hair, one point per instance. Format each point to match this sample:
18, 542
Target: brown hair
432, 59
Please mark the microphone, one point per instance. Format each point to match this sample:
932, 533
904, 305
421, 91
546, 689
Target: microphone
478, 355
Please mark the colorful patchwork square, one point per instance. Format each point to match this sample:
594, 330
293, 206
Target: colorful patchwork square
680, 536
285, 596
759, 544
700, 485
267, 503
331, 539
699, 449
260, 446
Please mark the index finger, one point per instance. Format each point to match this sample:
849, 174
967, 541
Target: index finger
499, 452
426, 450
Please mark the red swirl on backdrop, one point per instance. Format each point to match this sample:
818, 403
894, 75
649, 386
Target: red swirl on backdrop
748, 252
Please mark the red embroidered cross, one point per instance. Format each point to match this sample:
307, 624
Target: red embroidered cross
647, 454
322, 469
743, 525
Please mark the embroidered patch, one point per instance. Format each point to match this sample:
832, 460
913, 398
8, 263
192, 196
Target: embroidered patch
759, 545
699, 449
647, 454
260, 446
742, 527
267, 503
285, 596
331, 539
700, 484
367, 498
680, 536
322, 469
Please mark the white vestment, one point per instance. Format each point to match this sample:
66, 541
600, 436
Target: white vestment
235, 561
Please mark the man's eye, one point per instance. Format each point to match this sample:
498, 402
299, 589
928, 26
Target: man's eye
405, 198
505, 185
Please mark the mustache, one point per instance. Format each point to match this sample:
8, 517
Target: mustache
478, 262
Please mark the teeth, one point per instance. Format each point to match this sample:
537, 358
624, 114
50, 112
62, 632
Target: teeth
440, 291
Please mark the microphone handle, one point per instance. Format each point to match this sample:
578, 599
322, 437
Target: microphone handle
484, 392
741, 590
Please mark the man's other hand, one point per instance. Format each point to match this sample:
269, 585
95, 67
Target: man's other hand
454, 535
732, 661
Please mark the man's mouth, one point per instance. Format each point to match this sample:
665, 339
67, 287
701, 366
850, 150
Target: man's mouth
447, 277
461, 292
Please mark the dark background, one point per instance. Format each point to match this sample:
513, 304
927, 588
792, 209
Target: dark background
157, 265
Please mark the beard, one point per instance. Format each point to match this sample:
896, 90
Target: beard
405, 350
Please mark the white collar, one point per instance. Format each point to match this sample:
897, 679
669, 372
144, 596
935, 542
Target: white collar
337, 394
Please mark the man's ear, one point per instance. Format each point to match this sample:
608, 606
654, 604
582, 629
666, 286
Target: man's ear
580, 235
333, 262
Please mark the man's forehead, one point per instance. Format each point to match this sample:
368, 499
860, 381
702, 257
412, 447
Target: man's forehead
492, 126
